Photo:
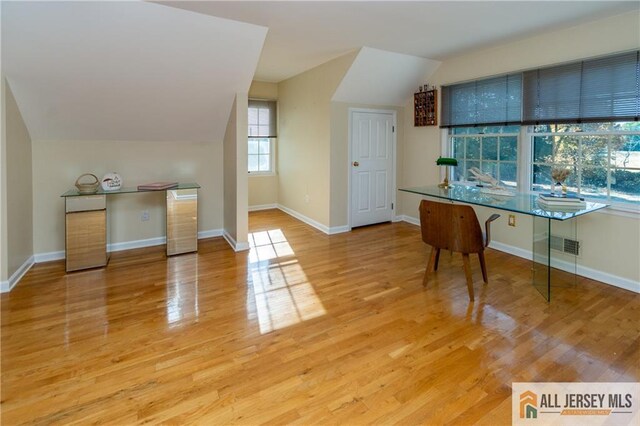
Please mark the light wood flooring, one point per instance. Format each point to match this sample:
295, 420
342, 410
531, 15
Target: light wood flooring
304, 329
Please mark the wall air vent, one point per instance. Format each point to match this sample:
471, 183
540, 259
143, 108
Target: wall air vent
565, 245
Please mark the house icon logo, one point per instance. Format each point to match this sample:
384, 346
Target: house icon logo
528, 405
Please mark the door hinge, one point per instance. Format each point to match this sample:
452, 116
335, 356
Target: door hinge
393, 129
391, 206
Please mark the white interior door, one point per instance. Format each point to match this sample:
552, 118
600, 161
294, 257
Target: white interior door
372, 168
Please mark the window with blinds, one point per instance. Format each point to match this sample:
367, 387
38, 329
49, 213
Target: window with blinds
262, 133
595, 90
487, 102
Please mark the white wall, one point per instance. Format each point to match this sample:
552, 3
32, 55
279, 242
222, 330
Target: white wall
304, 140
611, 244
236, 215
3, 182
17, 246
57, 164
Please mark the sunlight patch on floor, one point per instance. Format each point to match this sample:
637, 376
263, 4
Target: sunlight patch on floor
282, 292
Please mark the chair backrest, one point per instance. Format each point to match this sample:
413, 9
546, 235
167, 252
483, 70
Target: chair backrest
452, 227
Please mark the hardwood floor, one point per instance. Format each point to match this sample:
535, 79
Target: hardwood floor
306, 328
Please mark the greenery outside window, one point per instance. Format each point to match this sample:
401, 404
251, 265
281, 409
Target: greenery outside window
492, 149
604, 158
262, 136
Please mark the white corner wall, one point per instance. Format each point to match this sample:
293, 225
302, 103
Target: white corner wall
236, 214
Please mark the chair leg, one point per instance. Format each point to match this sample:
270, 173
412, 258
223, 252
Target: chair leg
432, 260
483, 266
467, 273
435, 266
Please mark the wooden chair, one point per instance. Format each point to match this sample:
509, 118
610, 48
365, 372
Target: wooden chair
456, 228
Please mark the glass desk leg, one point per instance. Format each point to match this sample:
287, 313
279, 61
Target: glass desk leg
542, 256
555, 251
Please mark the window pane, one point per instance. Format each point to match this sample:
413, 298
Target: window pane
264, 146
509, 148
541, 177
490, 148
594, 182
543, 149
253, 146
458, 148
459, 170
490, 167
625, 151
469, 165
264, 163
509, 174
473, 148
625, 185
253, 163
565, 150
595, 151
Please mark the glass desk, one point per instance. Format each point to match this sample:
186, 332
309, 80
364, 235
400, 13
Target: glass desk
86, 224
550, 227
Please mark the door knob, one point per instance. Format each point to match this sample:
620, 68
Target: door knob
356, 164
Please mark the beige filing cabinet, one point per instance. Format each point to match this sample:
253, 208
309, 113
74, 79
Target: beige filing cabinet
182, 221
86, 232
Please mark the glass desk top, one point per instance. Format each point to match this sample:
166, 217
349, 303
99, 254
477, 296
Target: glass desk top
519, 203
129, 190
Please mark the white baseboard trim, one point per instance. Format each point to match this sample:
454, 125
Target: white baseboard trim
319, 226
210, 233
8, 285
410, 219
263, 207
234, 244
581, 270
127, 245
516, 251
305, 219
49, 256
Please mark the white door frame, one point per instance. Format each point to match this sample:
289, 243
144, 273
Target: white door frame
394, 113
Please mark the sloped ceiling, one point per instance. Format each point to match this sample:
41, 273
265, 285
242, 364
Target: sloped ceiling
305, 34
378, 77
125, 70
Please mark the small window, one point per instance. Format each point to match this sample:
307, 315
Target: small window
262, 137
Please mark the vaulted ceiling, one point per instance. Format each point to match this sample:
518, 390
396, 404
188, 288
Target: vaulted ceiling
304, 34
125, 70
168, 71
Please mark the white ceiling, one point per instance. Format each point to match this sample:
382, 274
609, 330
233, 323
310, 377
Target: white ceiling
305, 34
125, 70
377, 77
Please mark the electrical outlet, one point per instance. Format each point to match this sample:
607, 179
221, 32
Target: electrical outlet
306, 198
512, 220
144, 216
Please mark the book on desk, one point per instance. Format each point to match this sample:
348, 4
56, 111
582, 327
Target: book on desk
157, 186
550, 201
